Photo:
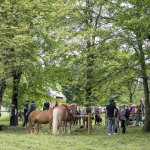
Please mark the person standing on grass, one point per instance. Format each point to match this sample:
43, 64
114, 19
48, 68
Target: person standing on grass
111, 113
31, 108
116, 119
13, 115
141, 110
123, 118
133, 113
25, 111
97, 111
128, 115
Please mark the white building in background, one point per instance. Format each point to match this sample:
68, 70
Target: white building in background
56, 95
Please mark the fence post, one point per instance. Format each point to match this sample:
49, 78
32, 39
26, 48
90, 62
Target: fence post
89, 123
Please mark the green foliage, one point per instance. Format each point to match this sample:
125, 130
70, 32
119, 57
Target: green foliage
91, 47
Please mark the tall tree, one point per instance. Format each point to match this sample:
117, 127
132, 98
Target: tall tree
133, 20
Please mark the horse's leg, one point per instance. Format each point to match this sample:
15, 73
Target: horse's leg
23, 120
50, 124
29, 126
59, 122
38, 126
70, 126
32, 124
65, 127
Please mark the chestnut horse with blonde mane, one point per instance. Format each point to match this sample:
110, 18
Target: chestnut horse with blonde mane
60, 113
40, 117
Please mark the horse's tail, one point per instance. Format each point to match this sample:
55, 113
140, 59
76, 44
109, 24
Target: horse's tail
55, 121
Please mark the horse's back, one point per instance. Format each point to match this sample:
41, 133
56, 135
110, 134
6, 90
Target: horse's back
42, 116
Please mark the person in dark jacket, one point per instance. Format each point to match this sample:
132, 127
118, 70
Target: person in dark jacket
13, 115
111, 113
25, 111
31, 108
46, 106
128, 112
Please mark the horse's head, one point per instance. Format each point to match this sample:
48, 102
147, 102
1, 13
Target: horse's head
73, 107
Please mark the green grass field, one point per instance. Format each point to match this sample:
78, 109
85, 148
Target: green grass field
18, 139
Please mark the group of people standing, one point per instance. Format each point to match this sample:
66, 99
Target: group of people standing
114, 116
27, 111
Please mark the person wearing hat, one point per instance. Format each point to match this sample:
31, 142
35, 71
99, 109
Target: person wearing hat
133, 113
111, 113
25, 111
13, 115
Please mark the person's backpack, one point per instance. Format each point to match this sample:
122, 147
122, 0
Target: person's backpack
143, 106
127, 114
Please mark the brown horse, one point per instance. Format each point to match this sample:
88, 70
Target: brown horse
21, 115
60, 114
40, 117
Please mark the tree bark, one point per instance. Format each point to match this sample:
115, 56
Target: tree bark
146, 127
16, 80
147, 106
130, 90
3, 87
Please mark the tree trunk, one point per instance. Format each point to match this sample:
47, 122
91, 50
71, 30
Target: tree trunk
146, 127
147, 106
130, 97
3, 87
90, 63
16, 80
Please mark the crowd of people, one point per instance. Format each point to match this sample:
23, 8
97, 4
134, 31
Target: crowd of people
125, 115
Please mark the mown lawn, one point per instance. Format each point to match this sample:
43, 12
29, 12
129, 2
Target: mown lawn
17, 138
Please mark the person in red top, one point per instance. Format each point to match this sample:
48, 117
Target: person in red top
133, 113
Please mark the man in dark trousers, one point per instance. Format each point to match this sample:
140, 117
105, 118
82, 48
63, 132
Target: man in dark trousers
31, 108
13, 114
25, 111
111, 113
46, 106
